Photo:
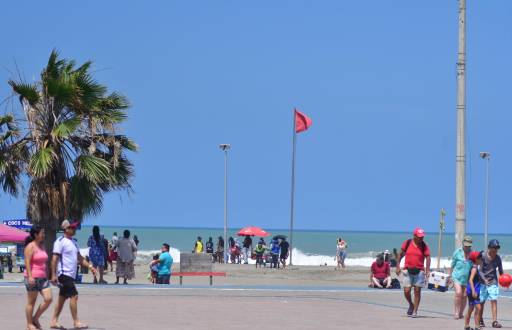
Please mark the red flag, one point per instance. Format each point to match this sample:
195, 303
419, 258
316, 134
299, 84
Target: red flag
302, 122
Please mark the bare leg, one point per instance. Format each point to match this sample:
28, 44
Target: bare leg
463, 302
494, 310
73, 306
387, 281
29, 308
407, 294
101, 273
482, 311
478, 315
47, 296
417, 299
57, 311
467, 319
457, 301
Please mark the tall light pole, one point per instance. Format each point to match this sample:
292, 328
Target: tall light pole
486, 156
225, 148
460, 186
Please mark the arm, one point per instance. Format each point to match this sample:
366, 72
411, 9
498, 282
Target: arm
471, 281
427, 268
500, 266
29, 251
398, 260
55, 260
85, 263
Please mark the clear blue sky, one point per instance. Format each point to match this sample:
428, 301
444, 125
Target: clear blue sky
377, 78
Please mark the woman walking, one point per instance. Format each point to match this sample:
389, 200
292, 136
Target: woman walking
341, 253
459, 274
97, 253
36, 279
126, 249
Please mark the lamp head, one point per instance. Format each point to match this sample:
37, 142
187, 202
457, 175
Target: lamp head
224, 147
485, 155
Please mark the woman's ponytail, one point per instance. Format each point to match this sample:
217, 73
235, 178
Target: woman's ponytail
35, 230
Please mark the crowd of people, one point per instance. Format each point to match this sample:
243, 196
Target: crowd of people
274, 254
473, 274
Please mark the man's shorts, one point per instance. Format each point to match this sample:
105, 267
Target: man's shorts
67, 287
413, 280
163, 279
40, 285
474, 301
489, 292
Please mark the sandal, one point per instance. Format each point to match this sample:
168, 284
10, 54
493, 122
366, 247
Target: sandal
37, 324
81, 326
496, 324
58, 326
482, 324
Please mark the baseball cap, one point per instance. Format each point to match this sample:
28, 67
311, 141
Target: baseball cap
474, 255
418, 232
467, 241
65, 224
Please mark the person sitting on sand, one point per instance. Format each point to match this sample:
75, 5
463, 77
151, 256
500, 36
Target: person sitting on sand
380, 273
259, 250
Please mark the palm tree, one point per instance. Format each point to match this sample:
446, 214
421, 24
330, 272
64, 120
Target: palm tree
64, 145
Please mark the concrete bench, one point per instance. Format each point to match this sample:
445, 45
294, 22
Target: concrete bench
196, 264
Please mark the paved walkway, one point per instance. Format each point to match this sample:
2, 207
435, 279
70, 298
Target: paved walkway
241, 307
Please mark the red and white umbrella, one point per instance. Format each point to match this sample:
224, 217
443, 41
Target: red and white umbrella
253, 231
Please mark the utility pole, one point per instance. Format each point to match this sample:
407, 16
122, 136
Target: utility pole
440, 240
460, 187
225, 148
486, 156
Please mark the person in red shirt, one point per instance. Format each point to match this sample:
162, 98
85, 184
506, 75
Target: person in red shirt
416, 252
380, 274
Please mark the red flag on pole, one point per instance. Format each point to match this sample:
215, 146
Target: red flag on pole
302, 122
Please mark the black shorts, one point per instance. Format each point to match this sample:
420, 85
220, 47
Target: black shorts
67, 286
163, 279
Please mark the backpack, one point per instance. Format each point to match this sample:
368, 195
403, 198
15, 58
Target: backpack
423, 246
395, 284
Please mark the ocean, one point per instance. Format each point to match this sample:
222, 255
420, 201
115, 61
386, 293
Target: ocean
311, 247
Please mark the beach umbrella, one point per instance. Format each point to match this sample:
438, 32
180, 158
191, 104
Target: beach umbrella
253, 231
279, 237
11, 235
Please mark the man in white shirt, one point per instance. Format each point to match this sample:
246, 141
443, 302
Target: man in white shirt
66, 256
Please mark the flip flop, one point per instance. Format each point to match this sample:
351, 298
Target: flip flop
81, 326
58, 326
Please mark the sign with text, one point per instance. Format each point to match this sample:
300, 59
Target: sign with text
22, 224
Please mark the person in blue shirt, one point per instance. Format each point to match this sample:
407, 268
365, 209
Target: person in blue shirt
274, 252
164, 263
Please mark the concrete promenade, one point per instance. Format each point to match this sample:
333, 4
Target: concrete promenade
243, 307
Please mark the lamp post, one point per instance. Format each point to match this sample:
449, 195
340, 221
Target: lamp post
486, 156
225, 148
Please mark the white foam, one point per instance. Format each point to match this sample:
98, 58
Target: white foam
301, 258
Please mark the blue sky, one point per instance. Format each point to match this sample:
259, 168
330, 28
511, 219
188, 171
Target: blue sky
377, 78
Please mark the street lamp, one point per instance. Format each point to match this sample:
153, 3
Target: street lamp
225, 148
486, 156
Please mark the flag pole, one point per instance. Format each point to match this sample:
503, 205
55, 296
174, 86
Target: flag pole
293, 186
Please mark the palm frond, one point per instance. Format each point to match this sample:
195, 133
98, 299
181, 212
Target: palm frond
67, 127
92, 168
41, 162
25, 91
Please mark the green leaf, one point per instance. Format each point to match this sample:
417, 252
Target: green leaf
92, 168
66, 128
25, 91
41, 162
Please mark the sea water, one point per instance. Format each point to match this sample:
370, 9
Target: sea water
310, 247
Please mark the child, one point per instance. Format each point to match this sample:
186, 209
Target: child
491, 266
473, 291
154, 269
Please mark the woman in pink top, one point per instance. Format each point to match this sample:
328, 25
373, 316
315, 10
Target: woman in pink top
36, 279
